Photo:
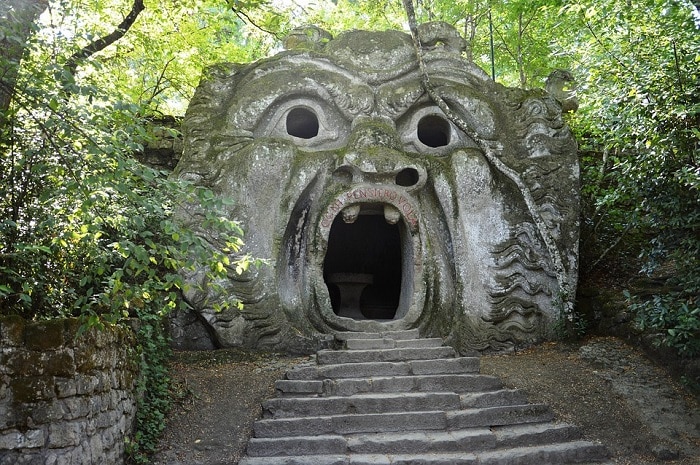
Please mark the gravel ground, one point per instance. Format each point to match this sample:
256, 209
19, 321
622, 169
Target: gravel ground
608, 388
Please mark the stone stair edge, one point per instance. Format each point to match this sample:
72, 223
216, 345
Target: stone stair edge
459, 383
558, 453
476, 439
395, 334
349, 423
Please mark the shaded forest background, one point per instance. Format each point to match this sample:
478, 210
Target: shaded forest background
86, 230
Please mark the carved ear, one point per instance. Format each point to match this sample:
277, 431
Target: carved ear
561, 84
311, 38
439, 33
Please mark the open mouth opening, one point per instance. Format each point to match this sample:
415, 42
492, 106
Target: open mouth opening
365, 263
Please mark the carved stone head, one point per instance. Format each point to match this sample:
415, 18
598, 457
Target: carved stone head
373, 210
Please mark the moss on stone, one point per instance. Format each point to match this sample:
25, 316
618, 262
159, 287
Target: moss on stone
60, 363
32, 389
44, 335
11, 331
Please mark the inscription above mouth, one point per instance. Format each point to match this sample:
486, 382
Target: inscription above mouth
395, 204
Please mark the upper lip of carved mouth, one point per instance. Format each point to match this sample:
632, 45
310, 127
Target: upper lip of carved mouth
390, 212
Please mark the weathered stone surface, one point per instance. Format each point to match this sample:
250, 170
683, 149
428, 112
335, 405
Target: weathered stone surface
65, 399
374, 212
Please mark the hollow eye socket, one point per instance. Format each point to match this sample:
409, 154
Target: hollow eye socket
302, 123
434, 131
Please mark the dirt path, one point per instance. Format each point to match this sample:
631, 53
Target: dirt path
614, 393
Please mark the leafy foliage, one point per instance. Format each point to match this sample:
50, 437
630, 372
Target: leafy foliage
639, 131
85, 229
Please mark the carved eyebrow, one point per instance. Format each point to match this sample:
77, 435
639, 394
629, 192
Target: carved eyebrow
395, 99
257, 94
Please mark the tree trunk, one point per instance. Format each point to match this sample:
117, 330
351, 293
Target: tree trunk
17, 18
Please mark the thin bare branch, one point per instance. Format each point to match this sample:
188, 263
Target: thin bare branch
489, 151
100, 44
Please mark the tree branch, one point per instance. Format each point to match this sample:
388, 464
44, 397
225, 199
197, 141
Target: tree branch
246, 18
609, 249
100, 44
565, 285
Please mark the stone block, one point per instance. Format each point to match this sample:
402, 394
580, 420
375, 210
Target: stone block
8, 416
86, 384
25, 363
11, 331
104, 381
107, 439
66, 434
9, 458
59, 458
76, 407
66, 387
33, 438
34, 363
47, 412
106, 419
44, 335
85, 359
59, 362
32, 388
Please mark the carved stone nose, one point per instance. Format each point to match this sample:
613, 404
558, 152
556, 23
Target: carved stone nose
370, 133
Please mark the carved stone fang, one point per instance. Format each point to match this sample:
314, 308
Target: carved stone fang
350, 213
391, 214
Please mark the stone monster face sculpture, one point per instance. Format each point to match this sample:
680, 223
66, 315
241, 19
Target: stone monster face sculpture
373, 211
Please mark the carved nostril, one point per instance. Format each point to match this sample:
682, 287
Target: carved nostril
407, 177
343, 175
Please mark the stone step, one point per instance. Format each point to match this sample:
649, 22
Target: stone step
496, 398
401, 421
474, 439
350, 423
531, 434
422, 442
378, 443
397, 335
290, 407
390, 343
299, 387
383, 369
566, 453
558, 453
417, 442
297, 445
499, 416
458, 383
335, 357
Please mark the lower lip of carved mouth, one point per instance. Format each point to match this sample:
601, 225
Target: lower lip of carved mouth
364, 267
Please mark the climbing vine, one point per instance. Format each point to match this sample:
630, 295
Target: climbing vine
489, 150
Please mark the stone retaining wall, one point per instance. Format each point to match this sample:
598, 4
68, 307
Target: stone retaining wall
65, 399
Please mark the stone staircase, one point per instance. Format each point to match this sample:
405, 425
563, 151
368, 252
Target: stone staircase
394, 398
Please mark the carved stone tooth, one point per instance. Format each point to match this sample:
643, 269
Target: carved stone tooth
350, 213
391, 214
